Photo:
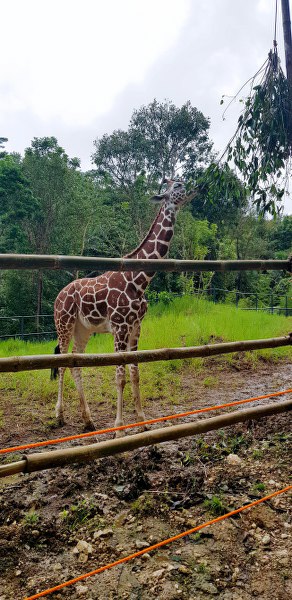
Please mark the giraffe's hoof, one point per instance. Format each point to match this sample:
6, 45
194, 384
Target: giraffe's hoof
140, 419
89, 427
120, 434
60, 421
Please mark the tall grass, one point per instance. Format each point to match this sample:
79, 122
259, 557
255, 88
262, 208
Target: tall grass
191, 320
186, 321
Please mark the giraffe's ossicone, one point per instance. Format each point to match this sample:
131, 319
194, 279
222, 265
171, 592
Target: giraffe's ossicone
115, 303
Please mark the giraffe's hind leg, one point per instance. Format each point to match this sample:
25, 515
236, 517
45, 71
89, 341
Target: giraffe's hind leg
121, 338
81, 337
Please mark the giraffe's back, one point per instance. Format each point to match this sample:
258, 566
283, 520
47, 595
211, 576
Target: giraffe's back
102, 303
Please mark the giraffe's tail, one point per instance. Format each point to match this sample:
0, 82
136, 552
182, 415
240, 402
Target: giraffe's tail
54, 371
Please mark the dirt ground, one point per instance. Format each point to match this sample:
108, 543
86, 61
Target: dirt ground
60, 523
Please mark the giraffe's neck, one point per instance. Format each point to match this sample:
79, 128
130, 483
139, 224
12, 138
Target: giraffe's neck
156, 243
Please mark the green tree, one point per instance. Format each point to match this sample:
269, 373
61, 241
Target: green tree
221, 198
66, 200
162, 140
281, 236
3, 140
17, 205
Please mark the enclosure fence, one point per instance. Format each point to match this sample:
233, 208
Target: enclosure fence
16, 324
24, 363
22, 326
56, 458
56, 262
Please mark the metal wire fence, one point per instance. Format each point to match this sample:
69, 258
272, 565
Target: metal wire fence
29, 327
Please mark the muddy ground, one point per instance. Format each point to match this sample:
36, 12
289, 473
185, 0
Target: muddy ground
58, 524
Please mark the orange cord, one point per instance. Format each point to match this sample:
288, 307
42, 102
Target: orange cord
141, 424
155, 546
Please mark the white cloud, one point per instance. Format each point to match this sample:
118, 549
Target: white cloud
78, 69
70, 59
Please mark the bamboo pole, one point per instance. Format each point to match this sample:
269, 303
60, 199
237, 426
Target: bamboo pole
80, 454
13, 468
55, 262
47, 361
287, 38
288, 57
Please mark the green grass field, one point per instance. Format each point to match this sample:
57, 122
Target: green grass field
186, 321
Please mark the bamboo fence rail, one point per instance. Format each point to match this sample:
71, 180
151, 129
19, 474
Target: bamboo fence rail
59, 458
55, 262
46, 361
39, 461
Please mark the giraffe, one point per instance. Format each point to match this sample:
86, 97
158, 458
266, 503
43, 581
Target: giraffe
114, 302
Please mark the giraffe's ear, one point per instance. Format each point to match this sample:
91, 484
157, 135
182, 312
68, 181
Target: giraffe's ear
157, 198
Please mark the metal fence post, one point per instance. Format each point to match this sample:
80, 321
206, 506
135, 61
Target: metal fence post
21, 328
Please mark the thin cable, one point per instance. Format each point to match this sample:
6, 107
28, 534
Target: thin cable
275, 27
141, 424
155, 546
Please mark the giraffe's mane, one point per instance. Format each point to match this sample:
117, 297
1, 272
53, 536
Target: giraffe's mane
147, 236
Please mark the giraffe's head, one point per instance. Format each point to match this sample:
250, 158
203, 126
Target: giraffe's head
175, 194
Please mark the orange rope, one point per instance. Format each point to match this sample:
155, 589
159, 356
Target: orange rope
155, 546
142, 423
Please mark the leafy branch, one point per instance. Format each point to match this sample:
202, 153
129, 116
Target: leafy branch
262, 145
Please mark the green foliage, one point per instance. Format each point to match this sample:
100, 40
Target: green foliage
210, 381
221, 195
174, 139
161, 141
144, 505
48, 206
185, 321
77, 514
2, 140
257, 454
281, 235
31, 518
203, 568
259, 487
17, 206
261, 147
215, 506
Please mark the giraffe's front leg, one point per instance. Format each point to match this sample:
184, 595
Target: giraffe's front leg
135, 382
59, 406
135, 378
120, 382
121, 344
85, 411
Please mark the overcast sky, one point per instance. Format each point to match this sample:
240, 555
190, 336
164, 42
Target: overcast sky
76, 69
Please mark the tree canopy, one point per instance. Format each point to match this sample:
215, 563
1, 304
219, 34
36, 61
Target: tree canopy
48, 205
162, 141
